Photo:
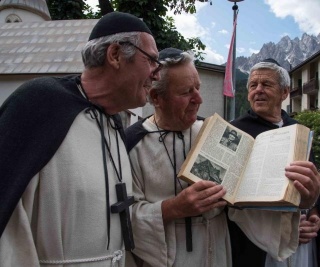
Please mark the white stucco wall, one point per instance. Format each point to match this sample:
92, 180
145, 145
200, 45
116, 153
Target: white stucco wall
9, 83
211, 92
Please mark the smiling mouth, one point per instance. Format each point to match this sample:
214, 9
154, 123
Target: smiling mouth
259, 100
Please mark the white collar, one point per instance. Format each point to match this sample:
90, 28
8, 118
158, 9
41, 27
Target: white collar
280, 123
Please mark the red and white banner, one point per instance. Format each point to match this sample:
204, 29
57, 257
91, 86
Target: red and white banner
228, 89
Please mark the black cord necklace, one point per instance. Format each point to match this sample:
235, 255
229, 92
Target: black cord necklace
163, 135
122, 206
173, 160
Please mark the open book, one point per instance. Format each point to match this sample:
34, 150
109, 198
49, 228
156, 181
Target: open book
251, 170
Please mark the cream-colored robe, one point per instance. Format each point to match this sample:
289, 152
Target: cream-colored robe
61, 217
164, 245
305, 256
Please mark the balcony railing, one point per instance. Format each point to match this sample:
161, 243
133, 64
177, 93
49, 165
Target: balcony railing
311, 87
296, 92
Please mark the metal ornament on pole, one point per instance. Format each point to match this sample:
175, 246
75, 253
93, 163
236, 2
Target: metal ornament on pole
232, 101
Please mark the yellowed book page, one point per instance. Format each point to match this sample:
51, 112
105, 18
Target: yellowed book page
302, 152
212, 158
302, 148
264, 178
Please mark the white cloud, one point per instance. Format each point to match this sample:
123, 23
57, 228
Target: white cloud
305, 13
253, 51
241, 50
200, 5
93, 4
213, 57
223, 32
189, 26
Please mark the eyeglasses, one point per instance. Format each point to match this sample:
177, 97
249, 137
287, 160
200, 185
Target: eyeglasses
151, 58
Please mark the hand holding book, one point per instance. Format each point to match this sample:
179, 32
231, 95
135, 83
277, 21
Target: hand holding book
253, 170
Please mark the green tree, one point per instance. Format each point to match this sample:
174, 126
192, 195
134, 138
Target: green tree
242, 104
162, 26
67, 9
105, 7
311, 119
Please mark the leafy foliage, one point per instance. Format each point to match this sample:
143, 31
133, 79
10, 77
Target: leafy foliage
182, 5
170, 37
105, 7
162, 26
67, 9
242, 104
311, 119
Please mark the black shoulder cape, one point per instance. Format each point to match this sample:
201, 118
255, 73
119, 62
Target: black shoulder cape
136, 132
34, 121
246, 122
245, 252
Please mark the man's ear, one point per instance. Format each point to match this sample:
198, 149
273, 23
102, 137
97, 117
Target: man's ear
285, 93
154, 97
113, 55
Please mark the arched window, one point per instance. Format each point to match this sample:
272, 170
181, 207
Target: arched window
13, 18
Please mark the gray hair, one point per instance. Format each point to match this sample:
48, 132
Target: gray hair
94, 51
284, 78
161, 85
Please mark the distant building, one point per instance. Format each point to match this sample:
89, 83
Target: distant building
13, 11
32, 45
304, 91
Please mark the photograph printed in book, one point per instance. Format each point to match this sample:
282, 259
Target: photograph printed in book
251, 170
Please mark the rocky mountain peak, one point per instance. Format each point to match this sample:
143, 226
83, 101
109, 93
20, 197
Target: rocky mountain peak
287, 52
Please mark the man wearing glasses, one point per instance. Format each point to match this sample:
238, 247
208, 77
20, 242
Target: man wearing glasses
64, 167
152, 60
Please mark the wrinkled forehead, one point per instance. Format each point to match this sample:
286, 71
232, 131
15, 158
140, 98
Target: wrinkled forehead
264, 75
184, 74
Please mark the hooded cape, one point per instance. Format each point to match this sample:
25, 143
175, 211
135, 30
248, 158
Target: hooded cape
34, 121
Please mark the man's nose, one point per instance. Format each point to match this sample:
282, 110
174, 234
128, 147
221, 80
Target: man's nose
155, 75
197, 97
259, 88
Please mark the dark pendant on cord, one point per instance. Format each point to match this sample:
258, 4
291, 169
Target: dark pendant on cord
188, 223
122, 207
163, 134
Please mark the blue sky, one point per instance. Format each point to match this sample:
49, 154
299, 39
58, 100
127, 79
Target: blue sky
259, 22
